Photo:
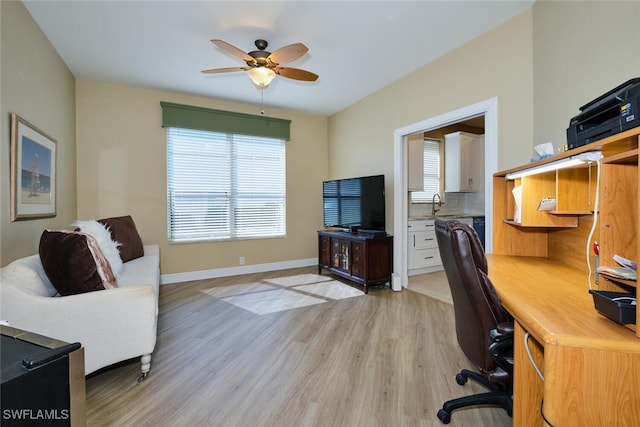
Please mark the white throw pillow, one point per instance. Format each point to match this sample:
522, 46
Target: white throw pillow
29, 275
108, 247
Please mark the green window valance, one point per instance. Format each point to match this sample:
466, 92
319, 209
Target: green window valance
200, 118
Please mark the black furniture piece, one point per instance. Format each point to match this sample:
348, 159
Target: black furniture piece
483, 327
42, 380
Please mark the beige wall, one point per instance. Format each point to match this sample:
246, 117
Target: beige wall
541, 65
121, 150
581, 50
496, 64
36, 85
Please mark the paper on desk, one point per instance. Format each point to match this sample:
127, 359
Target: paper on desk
625, 262
618, 272
547, 204
517, 211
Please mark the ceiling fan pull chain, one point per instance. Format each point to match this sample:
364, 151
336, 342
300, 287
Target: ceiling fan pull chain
261, 100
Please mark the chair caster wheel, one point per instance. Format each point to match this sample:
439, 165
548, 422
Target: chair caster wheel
444, 416
143, 377
460, 379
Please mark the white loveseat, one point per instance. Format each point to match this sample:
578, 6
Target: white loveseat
112, 325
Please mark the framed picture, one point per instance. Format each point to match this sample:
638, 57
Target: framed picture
33, 171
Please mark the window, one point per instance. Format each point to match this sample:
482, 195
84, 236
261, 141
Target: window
432, 172
224, 186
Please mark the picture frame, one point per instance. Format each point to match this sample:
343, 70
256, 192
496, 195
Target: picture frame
33, 171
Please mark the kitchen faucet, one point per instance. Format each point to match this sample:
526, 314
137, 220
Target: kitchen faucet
433, 204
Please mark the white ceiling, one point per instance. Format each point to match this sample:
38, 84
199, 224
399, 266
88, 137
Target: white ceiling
356, 47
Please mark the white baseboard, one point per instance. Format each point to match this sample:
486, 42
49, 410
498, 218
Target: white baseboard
425, 270
188, 276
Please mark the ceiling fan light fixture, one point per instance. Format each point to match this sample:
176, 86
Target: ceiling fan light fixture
261, 76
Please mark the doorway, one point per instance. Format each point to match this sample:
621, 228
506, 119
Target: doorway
488, 109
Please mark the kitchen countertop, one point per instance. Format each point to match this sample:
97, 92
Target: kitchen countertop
445, 216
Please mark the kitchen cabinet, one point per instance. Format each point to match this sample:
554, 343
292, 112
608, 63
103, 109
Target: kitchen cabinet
464, 162
415, 155
424, 255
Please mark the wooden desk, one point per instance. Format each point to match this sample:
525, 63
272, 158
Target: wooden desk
591, 364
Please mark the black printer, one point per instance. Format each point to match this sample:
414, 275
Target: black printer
614, 112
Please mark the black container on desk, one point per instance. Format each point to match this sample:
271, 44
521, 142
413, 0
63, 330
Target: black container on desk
615, 306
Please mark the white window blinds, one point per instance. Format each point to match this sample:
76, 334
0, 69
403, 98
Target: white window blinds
224, 186
431, 165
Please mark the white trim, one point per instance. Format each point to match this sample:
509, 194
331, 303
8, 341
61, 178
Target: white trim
189, 276
488, 108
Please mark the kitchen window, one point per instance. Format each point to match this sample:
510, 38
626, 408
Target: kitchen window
432, 178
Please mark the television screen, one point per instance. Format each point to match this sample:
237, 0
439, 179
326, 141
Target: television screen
354, 203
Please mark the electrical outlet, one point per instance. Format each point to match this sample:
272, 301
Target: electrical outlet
241, 260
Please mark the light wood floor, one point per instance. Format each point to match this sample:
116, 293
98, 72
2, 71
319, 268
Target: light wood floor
384, 359
434, 285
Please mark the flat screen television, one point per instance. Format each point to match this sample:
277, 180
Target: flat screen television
354, 203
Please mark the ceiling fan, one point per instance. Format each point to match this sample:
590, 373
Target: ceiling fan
262, 66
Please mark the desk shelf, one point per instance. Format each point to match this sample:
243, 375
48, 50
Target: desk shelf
561, 234
529, 225
576, 213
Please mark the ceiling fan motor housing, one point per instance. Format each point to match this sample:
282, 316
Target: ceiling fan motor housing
261, 44
261, 55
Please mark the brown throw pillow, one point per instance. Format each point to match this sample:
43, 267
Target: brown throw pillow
123, 230
74, 263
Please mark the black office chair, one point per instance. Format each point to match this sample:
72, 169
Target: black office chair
483, 327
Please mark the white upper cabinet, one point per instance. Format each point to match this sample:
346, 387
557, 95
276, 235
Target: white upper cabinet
464, 162
415, 153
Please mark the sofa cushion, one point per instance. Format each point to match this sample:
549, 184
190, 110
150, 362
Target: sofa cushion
123, 230
74, 263
108, 247
141, 271
28, 275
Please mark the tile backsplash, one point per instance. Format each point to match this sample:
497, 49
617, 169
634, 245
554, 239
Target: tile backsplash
454, 204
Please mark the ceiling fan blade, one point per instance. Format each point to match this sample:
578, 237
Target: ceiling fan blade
288, 53
224, 70
232, 50
296, 74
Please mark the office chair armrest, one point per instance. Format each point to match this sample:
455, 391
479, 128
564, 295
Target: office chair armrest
502, 352
502, 332
505, 328
502, 347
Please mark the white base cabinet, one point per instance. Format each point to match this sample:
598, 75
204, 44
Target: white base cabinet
423, 252
424, 256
